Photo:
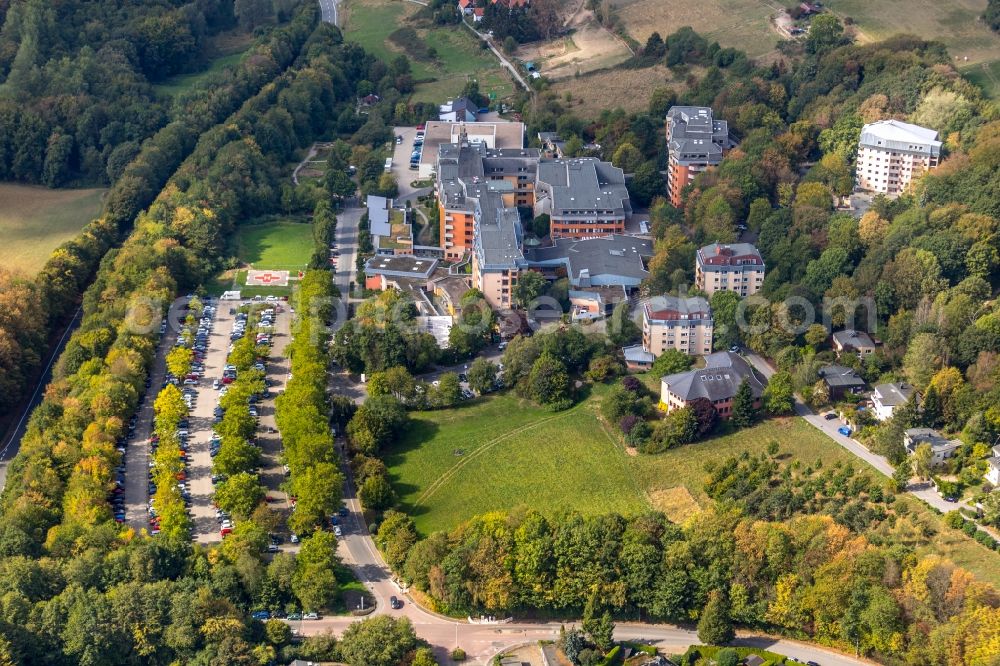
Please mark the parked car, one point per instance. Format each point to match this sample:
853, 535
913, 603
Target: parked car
260, 615
844, 430
311, 616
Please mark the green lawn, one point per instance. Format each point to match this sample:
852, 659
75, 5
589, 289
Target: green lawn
228, 48
34, 221
500, 452
986, 76
278, 245
459, 58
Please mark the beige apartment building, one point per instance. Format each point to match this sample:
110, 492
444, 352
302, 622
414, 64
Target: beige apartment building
891, 153
671, 322
736, 267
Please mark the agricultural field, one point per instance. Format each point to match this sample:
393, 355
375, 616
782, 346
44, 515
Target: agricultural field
501, 452
746, 24
34, 221
628, 89
956, 23
742, 24
224, 49
458, 58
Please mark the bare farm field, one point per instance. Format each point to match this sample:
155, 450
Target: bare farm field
629, 89
589, 48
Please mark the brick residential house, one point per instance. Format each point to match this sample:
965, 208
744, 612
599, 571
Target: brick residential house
718, 381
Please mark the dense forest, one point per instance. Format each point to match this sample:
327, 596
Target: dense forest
77, 587
144, 169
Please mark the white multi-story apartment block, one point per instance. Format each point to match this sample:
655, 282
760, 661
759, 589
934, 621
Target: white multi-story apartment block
735, 267
670, 322
891, 153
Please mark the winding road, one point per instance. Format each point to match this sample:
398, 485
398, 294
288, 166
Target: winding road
483, 641
923, 492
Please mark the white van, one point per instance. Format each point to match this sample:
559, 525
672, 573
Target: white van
388, 164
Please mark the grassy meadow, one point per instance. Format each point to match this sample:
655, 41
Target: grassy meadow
501, 452
459, 58
35, 220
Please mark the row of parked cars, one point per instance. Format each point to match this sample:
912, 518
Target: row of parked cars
418, 146
197, 337
264, 331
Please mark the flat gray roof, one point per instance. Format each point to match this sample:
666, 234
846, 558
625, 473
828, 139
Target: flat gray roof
403, 266
615, 255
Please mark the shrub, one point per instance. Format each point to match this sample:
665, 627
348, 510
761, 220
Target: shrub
458, 654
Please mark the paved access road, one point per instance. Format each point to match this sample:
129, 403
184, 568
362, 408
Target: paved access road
137, 455
924, 492
10, 448
328, 9
482, 642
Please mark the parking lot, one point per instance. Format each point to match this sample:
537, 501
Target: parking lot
211, 339
205, 528
401, 158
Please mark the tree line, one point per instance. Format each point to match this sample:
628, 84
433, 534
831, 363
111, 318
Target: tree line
56, 291
78, 75
808, 577
160, 600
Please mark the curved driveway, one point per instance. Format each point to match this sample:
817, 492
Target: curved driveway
481, 642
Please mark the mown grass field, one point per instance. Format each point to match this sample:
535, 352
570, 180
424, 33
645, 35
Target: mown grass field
226, 49
459, 58
279, 245
501, 452
34, 221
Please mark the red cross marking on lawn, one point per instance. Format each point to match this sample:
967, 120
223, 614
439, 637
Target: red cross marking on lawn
268, 278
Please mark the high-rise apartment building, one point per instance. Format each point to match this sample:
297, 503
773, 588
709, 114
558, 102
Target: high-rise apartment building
695, 142
891, 153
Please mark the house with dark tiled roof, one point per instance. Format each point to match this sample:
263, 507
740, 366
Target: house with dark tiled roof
718, 382
942, 448
841, 380
887, 397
